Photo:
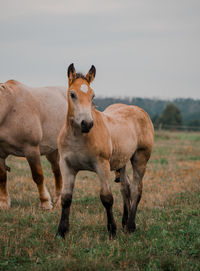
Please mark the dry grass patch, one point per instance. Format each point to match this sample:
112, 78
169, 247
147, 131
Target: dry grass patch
168, 233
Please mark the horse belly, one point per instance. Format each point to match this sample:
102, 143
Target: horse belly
46, 149
123, 150
120, 158
7, 149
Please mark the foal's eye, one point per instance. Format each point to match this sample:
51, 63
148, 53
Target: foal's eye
73, 95
93, 96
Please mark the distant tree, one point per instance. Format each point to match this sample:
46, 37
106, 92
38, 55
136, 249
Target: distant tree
171, 116
194, 123
190, 108
155, 119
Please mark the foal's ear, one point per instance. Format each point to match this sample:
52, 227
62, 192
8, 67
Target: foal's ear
71, 72
91, 74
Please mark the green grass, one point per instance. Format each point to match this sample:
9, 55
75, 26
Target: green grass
168, 227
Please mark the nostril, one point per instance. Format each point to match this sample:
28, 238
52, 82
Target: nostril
86, 126
91, 124
83, 123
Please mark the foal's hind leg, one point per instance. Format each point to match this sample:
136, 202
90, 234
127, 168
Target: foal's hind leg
53, 159
103, 171
4, 197
32, 155
138, 161
125, 191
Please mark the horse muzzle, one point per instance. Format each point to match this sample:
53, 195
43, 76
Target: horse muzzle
86, 126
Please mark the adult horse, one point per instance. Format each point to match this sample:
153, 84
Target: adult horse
100, 142
30, 121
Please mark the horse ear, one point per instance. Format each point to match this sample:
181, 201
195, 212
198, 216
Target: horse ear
71, 72
91, 74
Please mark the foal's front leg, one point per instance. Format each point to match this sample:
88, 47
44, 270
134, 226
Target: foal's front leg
103, 171
68, 177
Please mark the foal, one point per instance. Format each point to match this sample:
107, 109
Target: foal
100, 142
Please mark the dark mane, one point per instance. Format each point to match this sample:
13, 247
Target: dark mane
80, 75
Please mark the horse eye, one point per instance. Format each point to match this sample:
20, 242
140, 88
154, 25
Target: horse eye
93, 97
73, 95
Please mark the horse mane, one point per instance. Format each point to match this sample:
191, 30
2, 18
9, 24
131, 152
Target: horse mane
79, 75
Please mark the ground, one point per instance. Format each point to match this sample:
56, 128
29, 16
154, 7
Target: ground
168, 224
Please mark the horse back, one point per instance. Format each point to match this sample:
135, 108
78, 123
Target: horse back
35, 117
22, 120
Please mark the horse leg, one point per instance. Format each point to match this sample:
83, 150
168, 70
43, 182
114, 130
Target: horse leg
138, 161
117, 175
103, 171
4, 197
68, 177
125, 191
33, 157
53, 159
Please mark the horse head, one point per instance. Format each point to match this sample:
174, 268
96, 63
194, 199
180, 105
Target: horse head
80, 96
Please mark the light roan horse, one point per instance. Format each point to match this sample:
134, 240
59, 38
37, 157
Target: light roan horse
100, 142
30, 122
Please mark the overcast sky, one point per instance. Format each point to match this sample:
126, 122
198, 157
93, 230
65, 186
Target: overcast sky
143, 48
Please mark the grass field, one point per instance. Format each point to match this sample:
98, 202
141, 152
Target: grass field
168, 218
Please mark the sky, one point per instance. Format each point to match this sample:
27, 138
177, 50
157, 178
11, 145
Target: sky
143, 48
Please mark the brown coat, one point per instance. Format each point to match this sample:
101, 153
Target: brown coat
30, 121
100, 142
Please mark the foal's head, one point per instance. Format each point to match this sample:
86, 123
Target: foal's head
80, 97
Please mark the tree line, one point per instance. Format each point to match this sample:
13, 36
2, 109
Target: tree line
177, 113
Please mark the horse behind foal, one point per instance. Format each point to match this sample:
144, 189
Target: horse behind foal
100, 142
30, 121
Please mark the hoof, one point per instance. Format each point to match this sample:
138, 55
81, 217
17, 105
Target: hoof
5, 204
124, 221
112, 230
131, 229
123, 225
117, 180
46, 205
60, 235
57, 201
112, 235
